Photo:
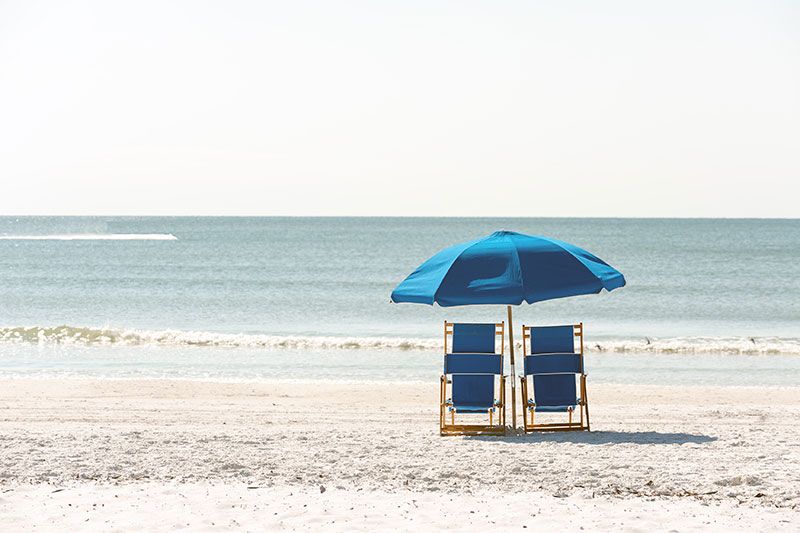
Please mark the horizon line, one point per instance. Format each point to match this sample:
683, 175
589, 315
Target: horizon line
162, 215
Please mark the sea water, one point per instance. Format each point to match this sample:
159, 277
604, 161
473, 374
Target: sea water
706, 301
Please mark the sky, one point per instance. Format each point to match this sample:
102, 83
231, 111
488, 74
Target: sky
418, 108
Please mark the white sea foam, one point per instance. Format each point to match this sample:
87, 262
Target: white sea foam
88, 336
130, 337
700, 345
93, 237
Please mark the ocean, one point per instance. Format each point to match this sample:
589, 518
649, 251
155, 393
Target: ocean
706, 302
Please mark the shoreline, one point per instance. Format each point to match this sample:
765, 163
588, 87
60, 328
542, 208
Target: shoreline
667, 393
731, 392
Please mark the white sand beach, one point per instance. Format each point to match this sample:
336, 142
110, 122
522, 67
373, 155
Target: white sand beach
162, 454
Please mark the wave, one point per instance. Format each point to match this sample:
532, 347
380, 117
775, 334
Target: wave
700, 346
129, 337
93, 237
87, 336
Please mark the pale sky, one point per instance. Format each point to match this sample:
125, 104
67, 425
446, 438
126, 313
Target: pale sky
400, 108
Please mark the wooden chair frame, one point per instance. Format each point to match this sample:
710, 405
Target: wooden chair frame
583, 405
491, 428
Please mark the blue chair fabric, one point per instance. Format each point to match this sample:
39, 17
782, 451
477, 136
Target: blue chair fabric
473, 338
552, 339
473, 363
554, 368
473, 366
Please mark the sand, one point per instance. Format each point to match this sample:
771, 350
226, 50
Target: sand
162, 454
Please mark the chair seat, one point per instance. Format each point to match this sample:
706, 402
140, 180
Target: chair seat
553, 408
471, 408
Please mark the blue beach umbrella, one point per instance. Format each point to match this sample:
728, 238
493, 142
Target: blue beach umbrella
507, 268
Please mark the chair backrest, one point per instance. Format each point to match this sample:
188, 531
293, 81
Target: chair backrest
473, 362
553, 362
473, 338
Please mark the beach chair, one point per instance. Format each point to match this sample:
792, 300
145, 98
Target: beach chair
555, 370
471, 367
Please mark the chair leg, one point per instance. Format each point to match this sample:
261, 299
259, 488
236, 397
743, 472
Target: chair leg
570, 417
585, 401
490, 417
442, 393
586, 407
503, 400
524, 387
453, 417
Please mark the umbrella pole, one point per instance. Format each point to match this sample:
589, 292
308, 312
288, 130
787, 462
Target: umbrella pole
513, 373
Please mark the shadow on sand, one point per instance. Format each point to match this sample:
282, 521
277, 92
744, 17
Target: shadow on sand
603, 437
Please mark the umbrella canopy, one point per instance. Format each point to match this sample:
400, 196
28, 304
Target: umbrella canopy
507, 268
